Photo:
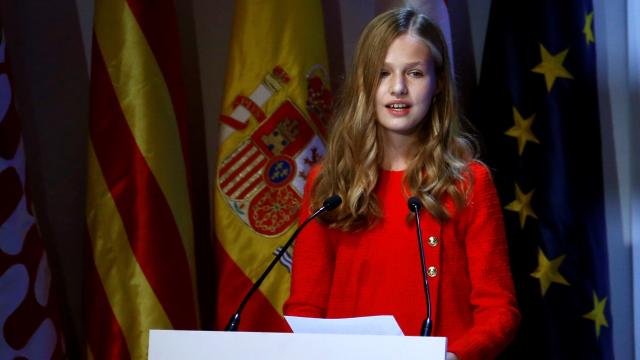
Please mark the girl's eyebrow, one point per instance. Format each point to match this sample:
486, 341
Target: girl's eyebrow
411, 64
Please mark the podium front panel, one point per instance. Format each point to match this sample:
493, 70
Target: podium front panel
173, 344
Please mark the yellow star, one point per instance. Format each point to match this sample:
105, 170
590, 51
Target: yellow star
551, 66
586, 30
547, 271
597, 314
522, 130
522, 205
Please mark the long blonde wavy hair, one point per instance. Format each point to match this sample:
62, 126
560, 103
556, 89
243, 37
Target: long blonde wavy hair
355, 148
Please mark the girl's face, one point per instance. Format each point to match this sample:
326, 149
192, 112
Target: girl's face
407, 85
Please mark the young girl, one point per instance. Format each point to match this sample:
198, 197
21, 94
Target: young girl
396, 134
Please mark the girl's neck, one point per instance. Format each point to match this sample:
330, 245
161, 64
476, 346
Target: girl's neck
398, 150
395, 164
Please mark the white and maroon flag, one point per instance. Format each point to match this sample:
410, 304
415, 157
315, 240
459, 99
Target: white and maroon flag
28, 312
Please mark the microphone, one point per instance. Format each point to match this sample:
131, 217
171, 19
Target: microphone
414, 207
329, 204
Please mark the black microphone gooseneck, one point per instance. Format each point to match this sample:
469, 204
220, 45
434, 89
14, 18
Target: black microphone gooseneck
414, 207
329, 204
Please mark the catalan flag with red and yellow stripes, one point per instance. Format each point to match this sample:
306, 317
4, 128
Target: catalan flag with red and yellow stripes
141, 266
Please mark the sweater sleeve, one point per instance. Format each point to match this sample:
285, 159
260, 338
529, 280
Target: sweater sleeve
495, 313
313, 264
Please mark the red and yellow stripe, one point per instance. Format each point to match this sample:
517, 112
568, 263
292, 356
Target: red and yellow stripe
277, 34
142, 270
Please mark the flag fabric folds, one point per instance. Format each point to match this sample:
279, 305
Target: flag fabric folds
272, 131
537, 110
29, 313
141, 267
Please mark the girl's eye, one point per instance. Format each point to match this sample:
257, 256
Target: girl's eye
415, 73
384, 73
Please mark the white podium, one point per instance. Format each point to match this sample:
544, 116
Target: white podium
173, 344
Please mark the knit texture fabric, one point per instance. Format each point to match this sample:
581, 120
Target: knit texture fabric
377, 271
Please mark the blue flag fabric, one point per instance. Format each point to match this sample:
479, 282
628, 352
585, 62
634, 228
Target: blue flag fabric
537, 112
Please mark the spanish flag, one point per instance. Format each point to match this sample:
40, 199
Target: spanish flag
272, 131
141, 267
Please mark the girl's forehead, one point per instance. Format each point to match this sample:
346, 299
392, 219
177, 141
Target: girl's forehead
408, 48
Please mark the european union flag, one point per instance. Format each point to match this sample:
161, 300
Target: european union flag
537, 111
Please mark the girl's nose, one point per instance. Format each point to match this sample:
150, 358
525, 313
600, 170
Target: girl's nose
399, 86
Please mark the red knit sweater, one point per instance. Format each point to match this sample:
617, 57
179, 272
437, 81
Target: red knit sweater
377, 271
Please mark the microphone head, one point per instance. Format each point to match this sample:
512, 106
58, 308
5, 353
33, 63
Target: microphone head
414, 204
332, 202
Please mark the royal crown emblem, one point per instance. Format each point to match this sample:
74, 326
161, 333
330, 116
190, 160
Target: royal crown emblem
263, 179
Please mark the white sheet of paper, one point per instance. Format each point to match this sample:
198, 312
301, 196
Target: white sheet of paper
368, 325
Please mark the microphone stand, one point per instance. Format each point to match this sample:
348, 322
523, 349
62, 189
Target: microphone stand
328, 205
414, 206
